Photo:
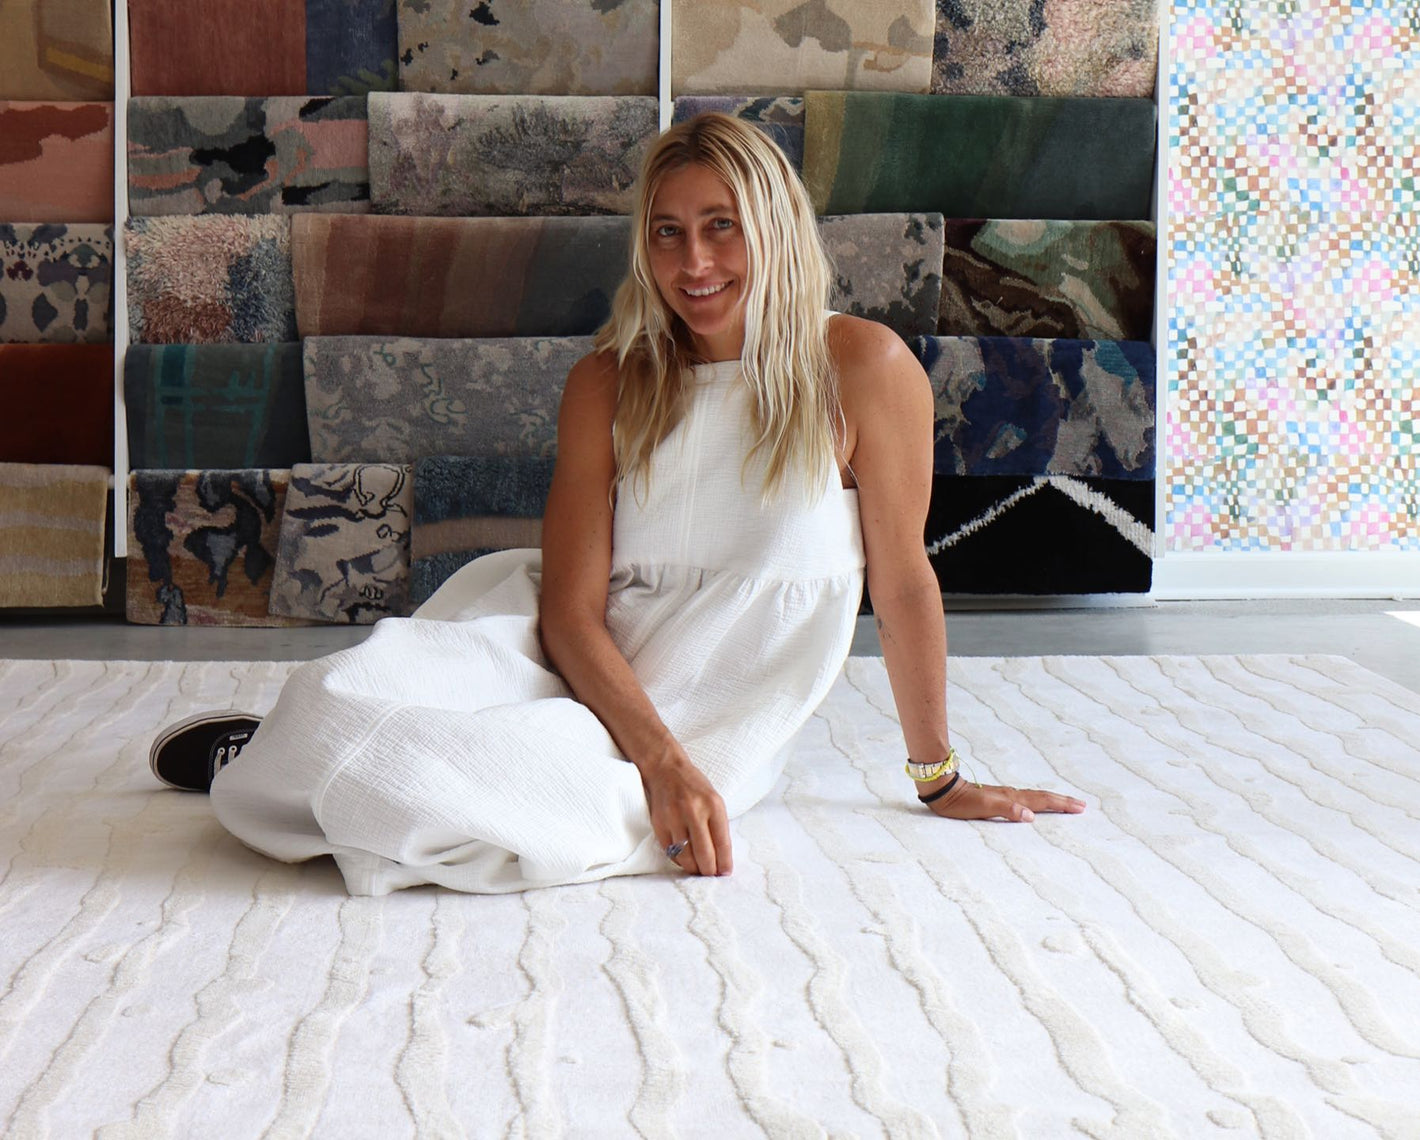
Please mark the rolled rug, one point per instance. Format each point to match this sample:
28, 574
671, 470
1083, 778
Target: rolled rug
213, 154
398, 400
193, 406
343, 552
1083, 280
537, 47
55, 283
1046, 47
498, 155
456, 277
1015, 406
979, 156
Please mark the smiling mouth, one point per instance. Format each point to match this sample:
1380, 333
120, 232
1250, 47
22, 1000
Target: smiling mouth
708, 291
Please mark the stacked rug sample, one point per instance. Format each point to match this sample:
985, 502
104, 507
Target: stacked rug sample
360, 266
56, 286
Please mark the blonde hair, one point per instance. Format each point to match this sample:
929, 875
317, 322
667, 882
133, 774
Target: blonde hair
786, 362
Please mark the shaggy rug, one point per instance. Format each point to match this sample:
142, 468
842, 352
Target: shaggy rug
343, 551
538, 47
1029, 278
262, 47
1045, 47
215, 405
1225, 943
211, 154
55, 282
469, 506
52, 534
213, 279
372, 399
1015, 406
779, 47
56, 162
507, 155
1009, 157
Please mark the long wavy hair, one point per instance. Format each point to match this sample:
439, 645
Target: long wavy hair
797, 417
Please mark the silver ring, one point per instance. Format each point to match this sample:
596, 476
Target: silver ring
673, 850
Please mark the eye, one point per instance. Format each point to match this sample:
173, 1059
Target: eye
666, 231
723, 223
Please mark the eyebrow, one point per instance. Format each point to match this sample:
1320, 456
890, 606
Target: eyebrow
724, 208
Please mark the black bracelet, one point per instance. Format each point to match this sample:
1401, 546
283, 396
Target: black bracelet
943, 790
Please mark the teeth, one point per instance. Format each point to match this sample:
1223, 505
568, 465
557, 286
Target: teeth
706, 292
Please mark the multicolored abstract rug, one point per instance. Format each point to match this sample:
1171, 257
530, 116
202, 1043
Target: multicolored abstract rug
1224, 944
783, 47
374, 399
1009, 157
56, 162
468, 506
209, 280
1016, 406
1046, 47
887, 267
52, 534
58, 401
55, 283
500, 155
202, 547
1084, 280
456, 277
215, 154
193, 406
262, 47
56, 49
780, 117
533, 47
343, 552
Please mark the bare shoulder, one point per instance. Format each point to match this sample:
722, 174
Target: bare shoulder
874, 364
594, 377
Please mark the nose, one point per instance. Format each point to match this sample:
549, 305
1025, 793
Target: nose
695, 254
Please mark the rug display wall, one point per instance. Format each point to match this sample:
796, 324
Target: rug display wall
231, 155
55, 283
506, 112
1223, 943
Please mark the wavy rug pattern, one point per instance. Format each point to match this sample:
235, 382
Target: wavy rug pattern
1225, 943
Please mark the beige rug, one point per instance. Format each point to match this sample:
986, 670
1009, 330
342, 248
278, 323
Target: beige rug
1226, 944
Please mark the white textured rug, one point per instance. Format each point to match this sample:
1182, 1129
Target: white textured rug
1227, 943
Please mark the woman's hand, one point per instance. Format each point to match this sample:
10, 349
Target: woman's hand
686, 809
990, 801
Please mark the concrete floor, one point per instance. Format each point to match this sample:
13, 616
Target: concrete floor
1382, 636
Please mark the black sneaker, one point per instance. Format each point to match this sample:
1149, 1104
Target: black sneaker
191, 752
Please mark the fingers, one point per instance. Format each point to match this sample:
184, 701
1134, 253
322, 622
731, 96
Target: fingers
1016, 805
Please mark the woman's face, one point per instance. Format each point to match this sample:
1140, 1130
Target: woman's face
697, 252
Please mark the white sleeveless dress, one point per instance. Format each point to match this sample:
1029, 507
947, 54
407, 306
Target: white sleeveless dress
444, 749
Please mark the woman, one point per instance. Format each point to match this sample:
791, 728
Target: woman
728, 460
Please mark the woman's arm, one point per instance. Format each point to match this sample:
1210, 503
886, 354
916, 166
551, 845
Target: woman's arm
576, 570
888, 406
